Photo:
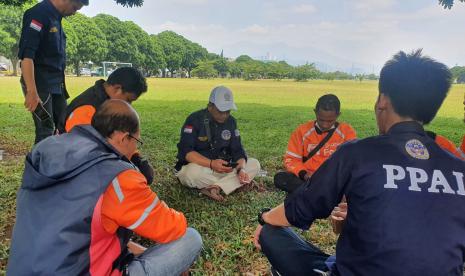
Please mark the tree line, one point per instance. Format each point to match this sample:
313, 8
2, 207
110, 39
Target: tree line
167, 54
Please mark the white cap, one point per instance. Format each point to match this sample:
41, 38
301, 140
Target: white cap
222, 97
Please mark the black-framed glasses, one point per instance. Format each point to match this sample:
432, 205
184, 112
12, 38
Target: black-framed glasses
137, 140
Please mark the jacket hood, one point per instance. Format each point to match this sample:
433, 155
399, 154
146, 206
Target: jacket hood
58, 158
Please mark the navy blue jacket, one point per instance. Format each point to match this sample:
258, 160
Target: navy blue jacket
63, 179
43, 40
226, 140
406, 204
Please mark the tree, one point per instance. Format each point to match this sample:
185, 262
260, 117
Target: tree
122, 44
10, 29
126, 3
192, 55
85, 41
173, 48
447, 4
221, 65
305, 72
457, 72
243, 58
278, 70
150, 55
205, 70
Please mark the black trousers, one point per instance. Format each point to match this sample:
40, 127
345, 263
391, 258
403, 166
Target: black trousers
289, 254
55, 104
287, 181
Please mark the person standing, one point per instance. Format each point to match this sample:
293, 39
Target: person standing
43, 61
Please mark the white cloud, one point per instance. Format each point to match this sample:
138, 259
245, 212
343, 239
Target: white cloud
255, 30
303, 9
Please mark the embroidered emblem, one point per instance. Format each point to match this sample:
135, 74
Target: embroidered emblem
226, 134
416, 149
53, 29
188, 129
202, 138
36, 25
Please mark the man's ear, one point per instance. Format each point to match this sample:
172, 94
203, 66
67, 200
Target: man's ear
383, 102
119, 137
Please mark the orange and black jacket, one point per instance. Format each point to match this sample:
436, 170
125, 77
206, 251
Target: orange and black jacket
305, 138
445, 143
81, 110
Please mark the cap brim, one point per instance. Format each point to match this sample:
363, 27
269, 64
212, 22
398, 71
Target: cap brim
226, 107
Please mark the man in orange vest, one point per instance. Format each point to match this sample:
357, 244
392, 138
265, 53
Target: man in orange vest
312, 143
125, 83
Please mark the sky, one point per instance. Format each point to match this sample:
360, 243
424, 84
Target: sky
352, 36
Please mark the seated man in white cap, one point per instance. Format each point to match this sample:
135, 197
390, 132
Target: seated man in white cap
210, 153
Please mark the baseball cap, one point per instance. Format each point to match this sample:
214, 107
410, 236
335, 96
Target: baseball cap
222, 97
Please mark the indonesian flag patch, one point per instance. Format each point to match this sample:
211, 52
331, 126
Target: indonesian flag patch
188, 129
36, 25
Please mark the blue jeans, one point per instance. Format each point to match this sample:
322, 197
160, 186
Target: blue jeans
168, 259
289, 254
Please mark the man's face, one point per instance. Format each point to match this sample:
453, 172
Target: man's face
218, 116
70, 7
125, 96
326, 119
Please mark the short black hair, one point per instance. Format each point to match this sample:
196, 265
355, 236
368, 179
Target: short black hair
130, 79
115, 115
328, 102
416, 85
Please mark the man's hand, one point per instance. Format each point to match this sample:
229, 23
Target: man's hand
32, 100
219, 165
244, 178
256, 237
338, 216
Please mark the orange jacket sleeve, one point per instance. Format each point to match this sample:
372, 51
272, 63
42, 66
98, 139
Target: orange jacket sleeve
294, 154
349, 132
462, 148
448, 145
129, 202
80, 116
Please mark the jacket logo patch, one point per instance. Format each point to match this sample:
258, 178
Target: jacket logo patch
202, 138
188, 129
226, 134
54, 30
416, 149
36, 25
237, 133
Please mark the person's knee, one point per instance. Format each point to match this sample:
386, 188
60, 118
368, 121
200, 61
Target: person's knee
190, 174
279, 180
267, 236
193, 240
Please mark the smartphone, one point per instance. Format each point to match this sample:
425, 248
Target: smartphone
41, 113
232, 164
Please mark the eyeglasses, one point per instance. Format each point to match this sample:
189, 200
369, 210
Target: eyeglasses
138, 140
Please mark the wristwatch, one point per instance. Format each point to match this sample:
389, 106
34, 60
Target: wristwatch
260, 216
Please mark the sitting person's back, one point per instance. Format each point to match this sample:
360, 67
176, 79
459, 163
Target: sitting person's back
81, 198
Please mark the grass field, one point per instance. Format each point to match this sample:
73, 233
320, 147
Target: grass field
268, 112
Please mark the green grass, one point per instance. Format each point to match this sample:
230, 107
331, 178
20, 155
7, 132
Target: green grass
268, 112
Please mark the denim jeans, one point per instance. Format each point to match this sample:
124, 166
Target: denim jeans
289, 254
168, 259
